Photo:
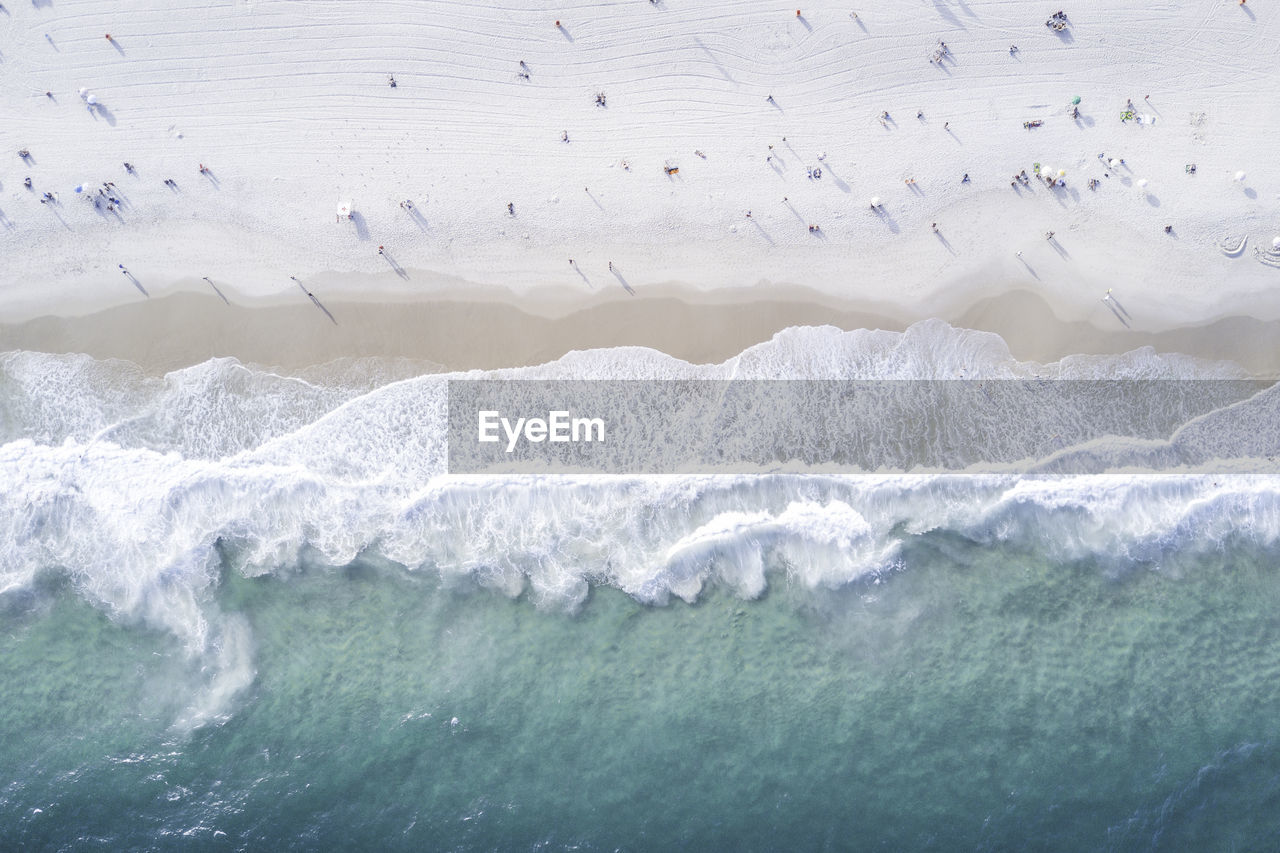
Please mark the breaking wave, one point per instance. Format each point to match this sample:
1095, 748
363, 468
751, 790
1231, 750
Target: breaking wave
141, 491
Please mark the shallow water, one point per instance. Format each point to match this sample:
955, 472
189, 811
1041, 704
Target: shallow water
979, 698
249, 610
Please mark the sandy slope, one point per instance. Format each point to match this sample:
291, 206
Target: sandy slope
289, 106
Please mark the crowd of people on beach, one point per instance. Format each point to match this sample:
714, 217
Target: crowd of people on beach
109, 198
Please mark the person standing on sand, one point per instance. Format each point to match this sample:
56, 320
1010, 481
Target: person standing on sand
610, 266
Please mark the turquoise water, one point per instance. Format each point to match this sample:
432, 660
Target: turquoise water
242, 610
978, 698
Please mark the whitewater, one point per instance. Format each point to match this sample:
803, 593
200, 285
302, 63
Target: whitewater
143, 491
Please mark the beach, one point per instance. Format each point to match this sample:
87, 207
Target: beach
926, 359
290, 111
455, 331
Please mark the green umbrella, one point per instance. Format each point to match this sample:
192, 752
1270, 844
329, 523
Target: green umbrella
1076, 99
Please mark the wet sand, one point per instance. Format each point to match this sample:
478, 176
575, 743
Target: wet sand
456, 333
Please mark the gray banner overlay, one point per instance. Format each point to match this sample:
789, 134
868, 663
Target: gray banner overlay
857, 426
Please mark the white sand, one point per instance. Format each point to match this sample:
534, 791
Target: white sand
288, 104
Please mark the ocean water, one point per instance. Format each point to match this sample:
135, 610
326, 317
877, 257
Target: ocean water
246, 610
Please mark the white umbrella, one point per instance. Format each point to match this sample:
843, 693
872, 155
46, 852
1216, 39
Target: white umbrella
1142, 183
1239, 178
875, 201
1115, 164
92, 100
1275, 243
83, 91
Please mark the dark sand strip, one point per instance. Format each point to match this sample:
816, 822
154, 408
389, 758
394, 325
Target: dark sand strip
187, 328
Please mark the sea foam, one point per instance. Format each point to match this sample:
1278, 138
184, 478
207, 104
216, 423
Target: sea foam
142, 490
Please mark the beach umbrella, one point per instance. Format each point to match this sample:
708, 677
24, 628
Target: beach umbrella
79, 188
1275, 243
1062, 172
1075, 100
875, 201
91, 100
83, 91
1239, 178
1142, 183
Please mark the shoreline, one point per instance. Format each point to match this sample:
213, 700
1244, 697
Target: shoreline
461, 332
740, 151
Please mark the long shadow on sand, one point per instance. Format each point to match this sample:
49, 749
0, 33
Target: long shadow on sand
836, 179
714, 61
136, 283
627, 287
218, 291
314, 301
362, 227
1030, 268
944, 12
763, 233
888, 219
418, 218
399, 270
100, 110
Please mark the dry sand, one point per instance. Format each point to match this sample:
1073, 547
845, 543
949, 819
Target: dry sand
289, 106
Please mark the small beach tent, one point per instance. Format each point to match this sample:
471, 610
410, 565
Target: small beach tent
344, 209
